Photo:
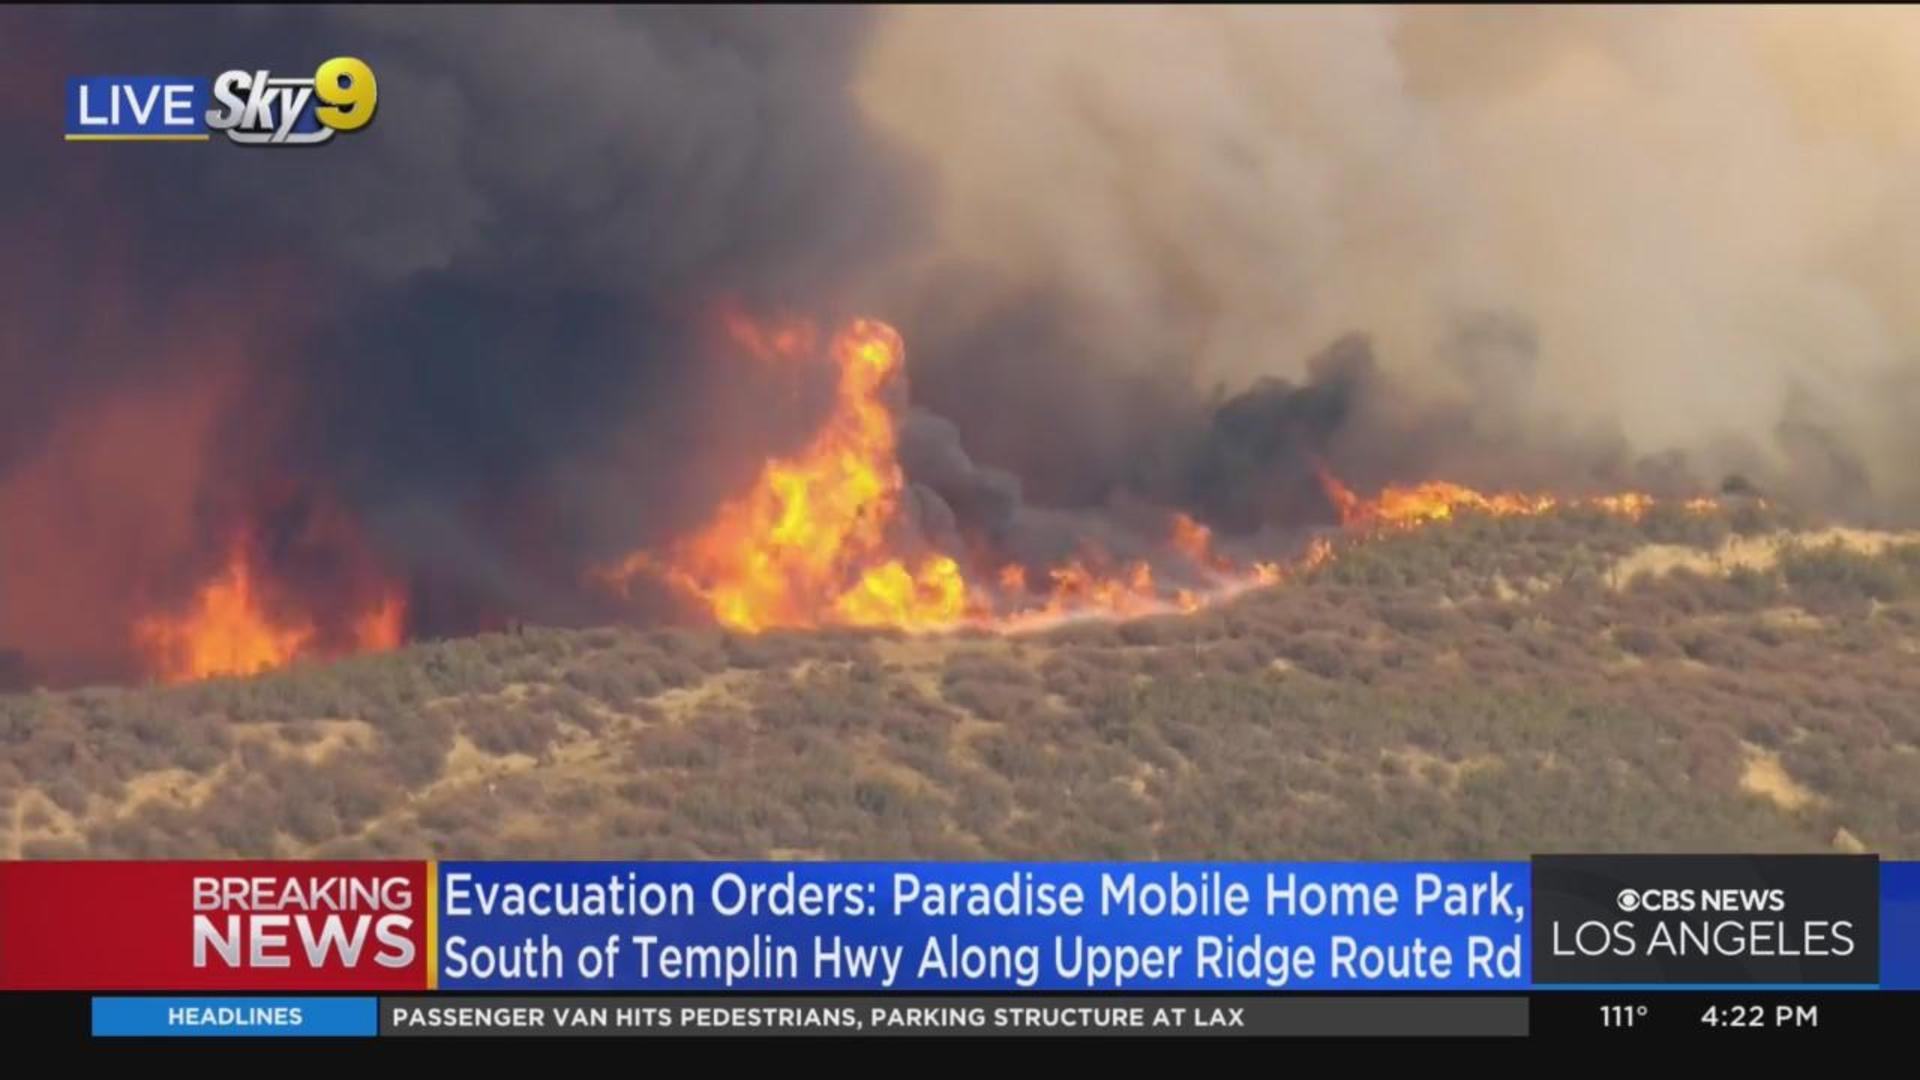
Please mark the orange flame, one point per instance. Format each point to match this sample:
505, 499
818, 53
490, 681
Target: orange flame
1078, 589
229, 629
816, 539
1195, 541
383, 627
226, 632
1400, 507
809, 541
1631, 504
1437, 500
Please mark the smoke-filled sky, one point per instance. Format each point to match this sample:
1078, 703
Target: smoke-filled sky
1584, 246
1708, 220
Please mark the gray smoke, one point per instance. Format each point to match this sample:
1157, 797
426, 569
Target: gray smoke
1698, 223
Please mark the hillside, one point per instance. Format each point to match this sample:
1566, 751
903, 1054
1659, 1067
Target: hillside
1490, 687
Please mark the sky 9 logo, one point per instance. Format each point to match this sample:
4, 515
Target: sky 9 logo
256, 109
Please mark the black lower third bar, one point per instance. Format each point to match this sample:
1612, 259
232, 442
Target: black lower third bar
1266, 1017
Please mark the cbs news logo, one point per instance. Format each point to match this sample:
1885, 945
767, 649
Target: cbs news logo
253, 108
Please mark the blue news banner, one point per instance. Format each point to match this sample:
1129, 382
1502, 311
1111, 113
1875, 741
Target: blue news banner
982, 926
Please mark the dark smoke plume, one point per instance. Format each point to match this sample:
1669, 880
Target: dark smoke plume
1143, 260
479, 326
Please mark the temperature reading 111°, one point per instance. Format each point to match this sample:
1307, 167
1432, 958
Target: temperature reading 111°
1621, 1016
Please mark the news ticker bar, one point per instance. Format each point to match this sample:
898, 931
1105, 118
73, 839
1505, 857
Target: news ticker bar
1736, 1014
547, 1016
1704, 922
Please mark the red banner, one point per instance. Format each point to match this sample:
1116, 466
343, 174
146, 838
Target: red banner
216, 925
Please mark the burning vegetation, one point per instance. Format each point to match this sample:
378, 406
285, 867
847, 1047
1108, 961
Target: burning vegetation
810, 542
852, 528
232, 628
243, 622
824, 537
130, 554
835, 533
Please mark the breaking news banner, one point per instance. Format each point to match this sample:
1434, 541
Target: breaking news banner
1595, 944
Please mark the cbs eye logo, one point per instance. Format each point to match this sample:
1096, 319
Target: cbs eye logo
256, 109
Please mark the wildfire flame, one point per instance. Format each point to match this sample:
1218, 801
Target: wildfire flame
821, 537
381, 627
809, 541
1434, 500
228, 629
1195, 541
225, 632
817, 538
1398, 507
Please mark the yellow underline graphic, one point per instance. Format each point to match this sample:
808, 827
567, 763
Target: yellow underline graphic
433, 930
138, 138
